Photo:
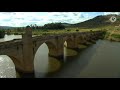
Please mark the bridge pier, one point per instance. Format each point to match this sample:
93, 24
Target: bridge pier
28, 61
72, 44
57, 51
57, 57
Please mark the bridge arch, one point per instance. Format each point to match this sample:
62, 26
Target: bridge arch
51, 46
67, 41
41, 58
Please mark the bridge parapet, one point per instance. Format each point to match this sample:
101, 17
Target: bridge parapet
9, 44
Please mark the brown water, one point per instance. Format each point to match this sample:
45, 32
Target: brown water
101, 60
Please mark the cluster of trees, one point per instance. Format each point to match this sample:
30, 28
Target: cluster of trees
48, 26
54, 26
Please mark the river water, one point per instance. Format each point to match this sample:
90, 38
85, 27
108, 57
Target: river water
100, 60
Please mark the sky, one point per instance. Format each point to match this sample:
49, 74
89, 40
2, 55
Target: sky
22, 19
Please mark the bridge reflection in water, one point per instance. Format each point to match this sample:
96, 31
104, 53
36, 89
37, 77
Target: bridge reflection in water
7, 67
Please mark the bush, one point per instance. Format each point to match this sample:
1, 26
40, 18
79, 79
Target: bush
68, 30
115, 35
16, 33
90, 30
77, 30
44, 34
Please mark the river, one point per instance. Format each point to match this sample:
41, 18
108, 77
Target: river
100, 60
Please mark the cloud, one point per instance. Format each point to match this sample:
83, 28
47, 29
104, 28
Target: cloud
82, 16
75, 14
67, 17
6, 19
107, 13
35, 19
41, 18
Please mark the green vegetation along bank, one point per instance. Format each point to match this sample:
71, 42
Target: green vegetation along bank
113, 35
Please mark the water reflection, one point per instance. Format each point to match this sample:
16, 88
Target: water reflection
43, 64
73, 65
7, 67
100, 60
41, 61
54, 65
69, 52
105, 61
10, 37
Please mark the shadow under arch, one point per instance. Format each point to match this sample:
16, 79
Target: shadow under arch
7, 66
51, 47
69, 50
67, 42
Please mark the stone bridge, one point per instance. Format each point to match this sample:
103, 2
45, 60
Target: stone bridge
22, 51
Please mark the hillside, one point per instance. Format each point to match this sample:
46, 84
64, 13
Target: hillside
6, 27
99, 21
67, 24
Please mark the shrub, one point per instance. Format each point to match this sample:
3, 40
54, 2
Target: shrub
90, 30
68, 30
77, 30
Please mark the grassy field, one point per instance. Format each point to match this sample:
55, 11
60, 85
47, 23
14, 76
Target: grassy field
112, 33
52, 32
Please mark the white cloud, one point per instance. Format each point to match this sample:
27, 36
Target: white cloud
68, 17
40, 18
106, 13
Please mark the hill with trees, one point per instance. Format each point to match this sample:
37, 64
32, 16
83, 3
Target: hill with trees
99, 21
48, 26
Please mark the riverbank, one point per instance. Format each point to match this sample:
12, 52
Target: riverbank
113, 35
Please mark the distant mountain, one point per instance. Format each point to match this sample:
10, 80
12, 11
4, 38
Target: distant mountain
6, 27
98, 21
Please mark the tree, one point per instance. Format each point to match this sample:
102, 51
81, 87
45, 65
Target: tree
54, 26
28, 26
